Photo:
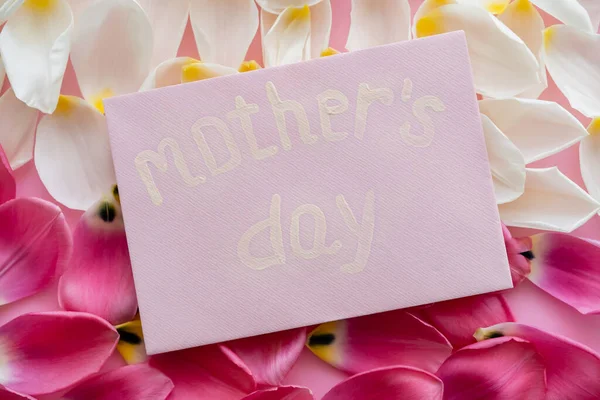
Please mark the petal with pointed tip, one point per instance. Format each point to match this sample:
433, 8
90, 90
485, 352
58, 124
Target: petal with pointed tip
131, 342
573, 60
281, 393
572, 369
375, 23
17, 130
34, 46
8, 7
538, 128
201, 70
501, 368
47, 352
35, 245
84, 171
168, 73
519, 256
551, 201
320, 27
571, 12
589, 158
288, 40
379, 340
399, 382
8, 186
278, 6
490, 45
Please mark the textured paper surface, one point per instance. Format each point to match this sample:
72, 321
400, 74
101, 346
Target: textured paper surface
384, 212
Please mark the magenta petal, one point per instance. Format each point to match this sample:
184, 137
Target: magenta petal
99, 278
270, 357
281, 393
572, 370
8, 186
502, 368
7, 394
133, 382
35, 244
209, 372
568, 268
46, 352
518, 251
392, 383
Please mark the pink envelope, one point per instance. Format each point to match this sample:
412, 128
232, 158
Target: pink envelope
290, 196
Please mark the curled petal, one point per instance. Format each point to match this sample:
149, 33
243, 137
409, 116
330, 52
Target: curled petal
573, 60
99, 278
380, 340
375, 23
551, 201
572, 369
491, 44
132, 382
519, 257
17, 130
397, 382
538, 128
131, 342
35, 245
278, 6
288, 40
589, 158
8, 7
201, 70
72, 154
8, 186
281, 393
167, 73
270, 357
47, 352
34, 46
501, 368
571, 12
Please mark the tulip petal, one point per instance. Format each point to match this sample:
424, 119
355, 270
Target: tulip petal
8, 186
503, 66
519, 258
47, 352
374, 23
501, 368
224, 29
35, 245
34, 46
132, 382
492, 6
399, 382
278, 6
99, 278
589, 158
83, 171
593, 9
288, 40
167, 73
209, 372
506, 163
131, 342
572, 369
270, 357
568, 11
379, 340
538, 128
458, 319
573, 60
201, 70
7, 394
551, 201
112, 51
17, 131
2, 73
281, 393
320, 27
8, 7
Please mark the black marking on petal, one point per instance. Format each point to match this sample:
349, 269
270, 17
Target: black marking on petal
528, 255
115, 193
324, 339
494, 334
107, 212
128, 337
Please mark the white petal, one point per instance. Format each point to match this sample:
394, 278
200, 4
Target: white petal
573, 60
425, 8
538, 128
593, 9
493, 6
277, 6
224, 29
168, 19
568, 11
167, 73
34, 46
267, 20
17, 129
2, 73
589, 157
288, 40
506, 163
502, 64
551, 201
201, 70
373, 23
112, 50
72, 154
320, 27
7, 8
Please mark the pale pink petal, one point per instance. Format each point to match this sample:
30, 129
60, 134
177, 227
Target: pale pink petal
501, 368
379, 340
393, 383
277, 6
47, 352
281, 393
270, 357
35, 244
8, 186
7, 394
519, 256
17, 130
320, 27
374, 23
571, 12
99, 278
572, 370
209, 372
167, 73
593, 9
288, 40
133, 382
8, 7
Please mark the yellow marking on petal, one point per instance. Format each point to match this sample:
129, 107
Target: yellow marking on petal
430, 24
330, 51
132, 353
497, 7
326, 352
41, 6
247, 66
196, 72
299, 13
594, 128
549, 34
65, 104
96, 100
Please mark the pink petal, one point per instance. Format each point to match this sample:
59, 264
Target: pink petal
281, 393
270, 357
8, 186
458, 319
568, 268
35, 245
99, 279
519, 255
393, 383
133, 382
209, 372
501, 368
7, 394
380, 340
46, 352
572, 370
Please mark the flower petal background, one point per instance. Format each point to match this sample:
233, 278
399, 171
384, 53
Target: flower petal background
8, 7
519, 255
589, 158
277, 6
201, 70
593, 9
167, 73
281, 393
8, 186
2, 72
493, 6
17, 130
131, 342
7, 394
571, 12
288, 40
